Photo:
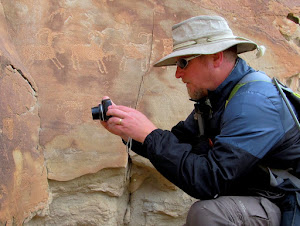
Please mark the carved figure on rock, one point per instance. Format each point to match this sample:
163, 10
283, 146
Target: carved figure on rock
91, 52
137, 52
43, 52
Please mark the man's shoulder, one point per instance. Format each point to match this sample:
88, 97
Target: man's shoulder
254, 86
255, 99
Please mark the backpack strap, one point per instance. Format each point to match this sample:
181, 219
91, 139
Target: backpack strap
278, 176
281, 88
251, 77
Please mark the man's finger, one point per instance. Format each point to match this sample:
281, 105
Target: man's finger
123, 108
107, 97
116, 112
116, 121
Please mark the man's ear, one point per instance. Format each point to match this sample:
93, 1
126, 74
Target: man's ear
218, 59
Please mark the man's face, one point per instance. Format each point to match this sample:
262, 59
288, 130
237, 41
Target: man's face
198, 76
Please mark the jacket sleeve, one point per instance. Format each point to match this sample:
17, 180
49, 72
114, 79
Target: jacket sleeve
185, 132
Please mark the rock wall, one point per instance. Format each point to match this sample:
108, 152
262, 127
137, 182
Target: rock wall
58, 58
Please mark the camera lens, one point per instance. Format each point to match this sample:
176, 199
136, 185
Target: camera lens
97, 112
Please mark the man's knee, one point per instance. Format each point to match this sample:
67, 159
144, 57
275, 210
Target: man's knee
205, 213
195, 212
234, 210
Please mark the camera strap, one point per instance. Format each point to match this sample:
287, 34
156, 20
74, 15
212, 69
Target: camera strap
128, 147
203, 113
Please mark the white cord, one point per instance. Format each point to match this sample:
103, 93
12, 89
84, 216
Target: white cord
129, 145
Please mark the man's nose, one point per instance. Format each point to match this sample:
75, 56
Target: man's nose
179, 72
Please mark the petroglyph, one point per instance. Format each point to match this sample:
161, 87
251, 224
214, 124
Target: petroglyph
137, 51
92, 51
42, 52
60, 11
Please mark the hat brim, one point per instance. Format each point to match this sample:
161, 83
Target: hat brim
205, 49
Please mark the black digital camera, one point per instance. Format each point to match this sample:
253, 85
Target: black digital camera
99, 112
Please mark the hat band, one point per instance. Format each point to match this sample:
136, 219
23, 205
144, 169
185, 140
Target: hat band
206, 40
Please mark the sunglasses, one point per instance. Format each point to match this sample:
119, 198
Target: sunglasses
183, 62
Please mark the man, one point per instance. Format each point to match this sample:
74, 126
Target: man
226, 152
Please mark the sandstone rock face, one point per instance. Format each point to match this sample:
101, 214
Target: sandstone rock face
58, 58
23, 176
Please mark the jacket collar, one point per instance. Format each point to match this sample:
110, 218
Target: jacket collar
219, 96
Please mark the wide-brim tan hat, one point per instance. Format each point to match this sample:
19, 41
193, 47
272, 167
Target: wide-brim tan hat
205, 35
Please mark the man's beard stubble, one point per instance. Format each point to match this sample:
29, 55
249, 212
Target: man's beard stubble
197, 94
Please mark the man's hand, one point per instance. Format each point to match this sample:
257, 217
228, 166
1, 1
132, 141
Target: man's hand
128, 122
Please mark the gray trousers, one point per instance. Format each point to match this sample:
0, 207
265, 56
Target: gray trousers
234, 210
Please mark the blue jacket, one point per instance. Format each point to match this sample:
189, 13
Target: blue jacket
254, 129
